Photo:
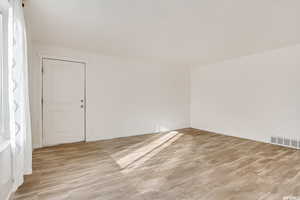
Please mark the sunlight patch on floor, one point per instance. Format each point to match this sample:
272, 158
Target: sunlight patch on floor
148, 156
144, 153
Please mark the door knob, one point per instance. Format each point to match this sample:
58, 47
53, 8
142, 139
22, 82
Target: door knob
81, 106
81, 100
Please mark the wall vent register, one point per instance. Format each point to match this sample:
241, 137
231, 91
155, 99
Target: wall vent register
287, 142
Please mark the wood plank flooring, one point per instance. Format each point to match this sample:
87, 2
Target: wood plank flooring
184, 165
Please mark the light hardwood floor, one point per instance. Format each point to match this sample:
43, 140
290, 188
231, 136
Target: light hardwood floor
189, 165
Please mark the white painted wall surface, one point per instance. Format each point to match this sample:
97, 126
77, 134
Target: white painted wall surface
253, 97
124, 96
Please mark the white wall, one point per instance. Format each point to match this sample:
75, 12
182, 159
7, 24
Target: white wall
124, 96
253, 97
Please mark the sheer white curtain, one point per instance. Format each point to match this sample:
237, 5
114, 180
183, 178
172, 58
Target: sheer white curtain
20, 129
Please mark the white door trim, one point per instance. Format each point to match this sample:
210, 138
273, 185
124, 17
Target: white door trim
42, 94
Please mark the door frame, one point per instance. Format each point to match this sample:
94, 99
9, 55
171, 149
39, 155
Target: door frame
42, 93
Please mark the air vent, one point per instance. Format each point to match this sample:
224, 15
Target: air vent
287, 142
274, 140
294, 143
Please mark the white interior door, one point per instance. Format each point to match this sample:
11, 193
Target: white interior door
63, 102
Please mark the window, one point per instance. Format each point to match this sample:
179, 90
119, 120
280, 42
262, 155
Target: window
1, 80
4, 136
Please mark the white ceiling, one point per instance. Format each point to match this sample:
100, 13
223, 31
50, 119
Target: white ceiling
183, 31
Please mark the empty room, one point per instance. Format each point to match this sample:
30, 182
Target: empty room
149, 100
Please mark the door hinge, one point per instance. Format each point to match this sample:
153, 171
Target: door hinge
42, 70
42, 101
